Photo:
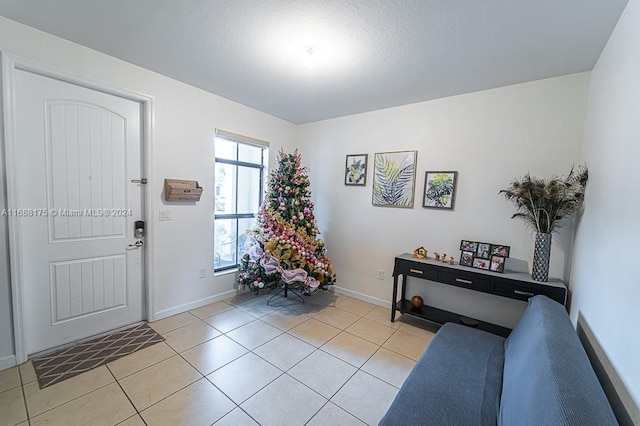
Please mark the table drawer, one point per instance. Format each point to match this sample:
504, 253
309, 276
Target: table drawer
524, 292
513, 291
420, 270
461, 279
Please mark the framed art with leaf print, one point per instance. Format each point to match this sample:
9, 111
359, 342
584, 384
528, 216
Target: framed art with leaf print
356, 170
440, 190
394, 176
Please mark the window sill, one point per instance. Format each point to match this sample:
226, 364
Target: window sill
225, 272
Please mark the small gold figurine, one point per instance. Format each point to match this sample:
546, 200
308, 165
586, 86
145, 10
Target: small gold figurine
451, 261
420, 253
444, 258
436, 255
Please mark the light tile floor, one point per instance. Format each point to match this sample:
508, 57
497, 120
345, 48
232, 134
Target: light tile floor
334, 361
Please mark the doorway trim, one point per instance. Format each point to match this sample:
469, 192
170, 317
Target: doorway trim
10, 64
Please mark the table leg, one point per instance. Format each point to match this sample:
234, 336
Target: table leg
393, 298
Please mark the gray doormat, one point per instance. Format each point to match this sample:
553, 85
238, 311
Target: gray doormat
60, 365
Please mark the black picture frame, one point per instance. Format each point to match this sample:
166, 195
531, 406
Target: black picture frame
355, 173
466, 245
500, 250
439, 190
484, 251
466, 258
485, 256
480, 263
497, 263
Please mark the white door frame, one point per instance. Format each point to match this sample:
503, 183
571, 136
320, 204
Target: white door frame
11, 63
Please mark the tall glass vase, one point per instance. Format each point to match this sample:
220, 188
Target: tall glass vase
541, 255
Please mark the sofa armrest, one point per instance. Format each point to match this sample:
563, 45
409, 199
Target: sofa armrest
457, 381
548, 379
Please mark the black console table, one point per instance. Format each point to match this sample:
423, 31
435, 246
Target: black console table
514, 285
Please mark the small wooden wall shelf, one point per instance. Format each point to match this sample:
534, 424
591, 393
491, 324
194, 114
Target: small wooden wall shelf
182, 190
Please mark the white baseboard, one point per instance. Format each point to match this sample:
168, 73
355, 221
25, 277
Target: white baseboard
361, 296
218, 297
191, 305
7, 362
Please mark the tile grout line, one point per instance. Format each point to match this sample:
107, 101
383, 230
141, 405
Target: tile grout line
350, 377
204, 376
171, 394
173, 329
71, 400
24, 395
198, 344
176, 353
251, 351
144, 368
379, 346
327, 400
128, 399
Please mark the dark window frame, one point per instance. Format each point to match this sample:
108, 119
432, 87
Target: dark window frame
244, 215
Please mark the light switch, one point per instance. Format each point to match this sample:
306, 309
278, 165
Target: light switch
165, 215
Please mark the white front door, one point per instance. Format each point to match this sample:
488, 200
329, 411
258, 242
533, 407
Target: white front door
76, 151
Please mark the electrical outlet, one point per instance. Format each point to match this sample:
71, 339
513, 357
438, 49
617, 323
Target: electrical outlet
165, 215
203, 272
381, 274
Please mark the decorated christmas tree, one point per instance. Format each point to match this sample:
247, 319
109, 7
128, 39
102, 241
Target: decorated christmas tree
282, 246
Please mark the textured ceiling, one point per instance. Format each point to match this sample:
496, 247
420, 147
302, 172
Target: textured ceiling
369, 54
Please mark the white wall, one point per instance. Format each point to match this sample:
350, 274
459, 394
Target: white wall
606, 290
489, 137
6, 336
185, 121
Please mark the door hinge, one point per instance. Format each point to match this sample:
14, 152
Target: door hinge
142, 181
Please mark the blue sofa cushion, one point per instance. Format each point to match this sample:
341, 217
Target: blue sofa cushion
548, 379
457, 381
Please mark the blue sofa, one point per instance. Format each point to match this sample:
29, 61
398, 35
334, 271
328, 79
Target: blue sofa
539, 375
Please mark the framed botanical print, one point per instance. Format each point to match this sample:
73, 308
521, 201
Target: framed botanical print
440, 190
356, 170
394, 176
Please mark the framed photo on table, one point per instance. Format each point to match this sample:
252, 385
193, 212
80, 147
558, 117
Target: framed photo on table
484, 251
466, 259
497, 264
471, 246
498, 250
486, 256
481, 263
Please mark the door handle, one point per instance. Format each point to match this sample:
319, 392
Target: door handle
523, 293
460, 280
135, 245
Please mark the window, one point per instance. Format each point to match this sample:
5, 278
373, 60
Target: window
239, 177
